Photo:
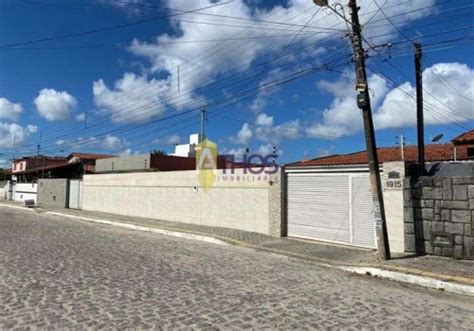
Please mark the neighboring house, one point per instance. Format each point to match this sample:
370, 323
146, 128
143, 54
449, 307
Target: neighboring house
145, 162
34, 162
329, 198
88, 160
188, 150
72, 167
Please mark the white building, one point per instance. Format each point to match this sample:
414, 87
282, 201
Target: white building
188, 150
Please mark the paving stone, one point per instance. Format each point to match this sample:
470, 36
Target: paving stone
471, 191
458, 251
432, 193
63, 274
459, 192
454, 228
447, 189
463, 180
461, 216
455, 204
467, 229
446, 215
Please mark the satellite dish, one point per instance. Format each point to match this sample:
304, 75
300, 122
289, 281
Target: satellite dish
437, 138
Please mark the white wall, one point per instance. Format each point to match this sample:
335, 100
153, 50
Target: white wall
25, 191
393, 201
235, 201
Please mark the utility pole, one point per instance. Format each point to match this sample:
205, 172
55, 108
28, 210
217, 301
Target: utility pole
203, 118
401, 142
402, 146
419, 109
363, 102
38, 155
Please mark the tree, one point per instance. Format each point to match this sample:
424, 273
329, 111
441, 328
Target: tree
159, 152
2, 174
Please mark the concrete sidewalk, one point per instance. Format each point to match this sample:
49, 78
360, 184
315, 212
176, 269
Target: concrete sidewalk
442, 273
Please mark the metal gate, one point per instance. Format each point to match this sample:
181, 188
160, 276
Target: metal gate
75, 194
333, 207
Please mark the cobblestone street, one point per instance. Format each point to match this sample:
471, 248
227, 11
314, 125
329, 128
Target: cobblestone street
57, 273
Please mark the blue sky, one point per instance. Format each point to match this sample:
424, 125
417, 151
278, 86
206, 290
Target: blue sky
116, 91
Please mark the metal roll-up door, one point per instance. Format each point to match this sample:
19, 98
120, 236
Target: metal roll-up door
335, 207
363, 222
318, 207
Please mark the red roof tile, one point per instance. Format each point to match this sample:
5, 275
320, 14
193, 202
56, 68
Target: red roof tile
464, 139
435, 152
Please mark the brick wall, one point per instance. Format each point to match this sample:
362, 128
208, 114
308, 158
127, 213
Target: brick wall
439, 216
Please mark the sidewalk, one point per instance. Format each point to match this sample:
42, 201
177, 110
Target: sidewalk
361, 261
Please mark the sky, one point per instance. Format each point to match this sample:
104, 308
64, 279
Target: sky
127, 77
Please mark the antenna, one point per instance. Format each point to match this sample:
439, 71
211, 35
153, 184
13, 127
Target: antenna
437, 138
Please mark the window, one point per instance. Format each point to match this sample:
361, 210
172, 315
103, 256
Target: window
470, 152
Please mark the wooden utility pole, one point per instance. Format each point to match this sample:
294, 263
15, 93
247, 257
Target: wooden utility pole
203, 118
363, 102
419, 109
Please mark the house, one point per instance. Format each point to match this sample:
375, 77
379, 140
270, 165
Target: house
329, 198
88, 160
145, 162
73, 166
157, 162
34, 162
188, 150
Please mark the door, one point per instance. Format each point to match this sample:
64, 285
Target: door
75, 194
333, 207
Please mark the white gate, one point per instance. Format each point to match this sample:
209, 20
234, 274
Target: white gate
75, 194
24, 191
333, 207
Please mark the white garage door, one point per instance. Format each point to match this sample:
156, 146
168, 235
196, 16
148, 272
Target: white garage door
331, 207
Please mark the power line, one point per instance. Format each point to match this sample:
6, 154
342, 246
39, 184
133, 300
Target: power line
110, 28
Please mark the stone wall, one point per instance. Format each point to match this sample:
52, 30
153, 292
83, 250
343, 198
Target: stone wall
439, 216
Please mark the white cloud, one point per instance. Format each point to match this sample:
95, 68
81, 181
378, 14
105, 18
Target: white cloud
9, 110
394, 108
55, 105
244, 135
202, 63
80, 117
264, 120
133, 99
267, 132
448, 96
169, 140
13, 135
106, 143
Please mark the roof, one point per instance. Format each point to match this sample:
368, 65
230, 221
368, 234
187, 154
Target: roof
464, 139
41, 157
433, 153
49, 167
90, 156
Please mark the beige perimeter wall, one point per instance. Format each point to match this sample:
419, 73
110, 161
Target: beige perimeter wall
240, 201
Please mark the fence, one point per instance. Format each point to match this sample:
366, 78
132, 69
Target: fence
243, 201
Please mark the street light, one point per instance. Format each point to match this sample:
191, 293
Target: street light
321, 3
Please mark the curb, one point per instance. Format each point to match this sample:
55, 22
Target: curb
183, 235
448, 283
